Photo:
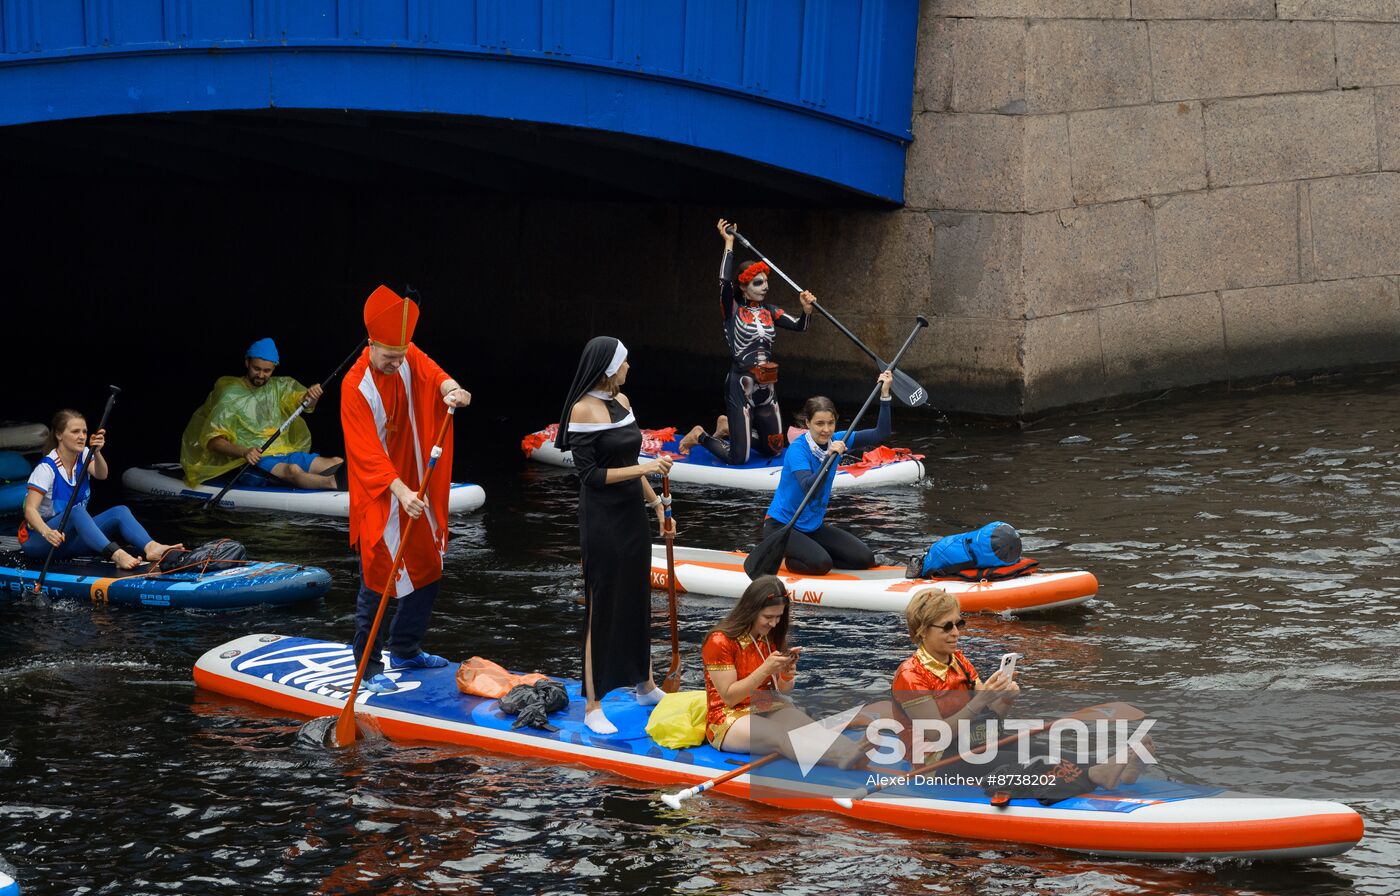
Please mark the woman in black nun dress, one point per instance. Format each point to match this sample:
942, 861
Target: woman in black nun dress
597, 425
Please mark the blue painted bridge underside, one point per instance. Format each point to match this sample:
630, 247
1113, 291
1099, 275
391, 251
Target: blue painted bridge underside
819, 88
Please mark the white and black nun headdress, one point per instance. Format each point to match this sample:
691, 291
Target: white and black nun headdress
602, 356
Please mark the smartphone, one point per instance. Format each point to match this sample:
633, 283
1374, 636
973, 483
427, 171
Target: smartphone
1008, 662
794, 651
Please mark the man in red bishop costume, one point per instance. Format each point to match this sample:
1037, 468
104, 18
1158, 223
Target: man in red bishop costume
392, 404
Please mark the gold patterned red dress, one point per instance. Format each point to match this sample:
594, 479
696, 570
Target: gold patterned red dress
721, 652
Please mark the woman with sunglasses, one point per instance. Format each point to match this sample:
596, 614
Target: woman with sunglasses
939, 683
748, 668
750, 389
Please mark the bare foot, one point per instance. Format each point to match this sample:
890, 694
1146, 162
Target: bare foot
850, 754
721, 427
1107, 776
1136, 766
691, 439
125, 560
155, 551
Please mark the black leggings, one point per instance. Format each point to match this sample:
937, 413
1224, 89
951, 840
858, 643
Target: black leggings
755, 423
817, 552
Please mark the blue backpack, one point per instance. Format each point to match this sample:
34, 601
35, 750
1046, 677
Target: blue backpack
993, 546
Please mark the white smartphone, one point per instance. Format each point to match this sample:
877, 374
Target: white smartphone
1008, 662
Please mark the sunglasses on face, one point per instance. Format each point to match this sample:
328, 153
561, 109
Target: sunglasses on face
947, 627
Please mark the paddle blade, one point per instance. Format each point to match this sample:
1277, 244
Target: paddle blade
345, 726
671, 683
765, 559
906, 388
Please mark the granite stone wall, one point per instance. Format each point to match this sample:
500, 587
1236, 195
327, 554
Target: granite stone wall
1129, 195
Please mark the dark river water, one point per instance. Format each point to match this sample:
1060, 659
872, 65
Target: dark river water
1243, 542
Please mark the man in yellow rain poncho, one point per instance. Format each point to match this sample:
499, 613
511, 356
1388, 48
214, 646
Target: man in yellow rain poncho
241, 413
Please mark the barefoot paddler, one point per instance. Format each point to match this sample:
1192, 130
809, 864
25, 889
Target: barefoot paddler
392, 404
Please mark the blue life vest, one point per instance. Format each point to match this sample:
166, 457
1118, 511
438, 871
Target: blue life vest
992, 546
62, 489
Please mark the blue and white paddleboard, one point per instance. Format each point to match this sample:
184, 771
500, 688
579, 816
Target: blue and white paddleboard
245, 585
1150, 818
758, 474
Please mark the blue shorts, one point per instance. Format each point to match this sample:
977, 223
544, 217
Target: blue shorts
302, 459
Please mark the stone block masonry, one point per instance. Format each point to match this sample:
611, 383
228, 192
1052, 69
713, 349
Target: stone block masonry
1130, 195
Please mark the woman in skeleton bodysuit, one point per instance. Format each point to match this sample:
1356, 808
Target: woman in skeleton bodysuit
750, 390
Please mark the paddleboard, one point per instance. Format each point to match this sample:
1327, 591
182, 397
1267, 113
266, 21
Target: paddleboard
8, 887
164, 481
1147, 819
245, 585
878, 468
23, 436
721, 573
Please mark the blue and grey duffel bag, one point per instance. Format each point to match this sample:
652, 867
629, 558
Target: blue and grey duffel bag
977, 554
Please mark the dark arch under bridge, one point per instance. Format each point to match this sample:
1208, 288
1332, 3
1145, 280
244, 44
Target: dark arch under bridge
813, 95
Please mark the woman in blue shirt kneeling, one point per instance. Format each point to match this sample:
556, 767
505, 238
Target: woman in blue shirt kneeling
816, 547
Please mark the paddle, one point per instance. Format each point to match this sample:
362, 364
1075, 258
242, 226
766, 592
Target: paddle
768, 556
672, 682
904, 387
345, 728
674, 800
305, 403
78, 488
1116, 711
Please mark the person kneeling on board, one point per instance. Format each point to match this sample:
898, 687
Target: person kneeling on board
748, 669
815, 547
240, 414
54, 485
938, 683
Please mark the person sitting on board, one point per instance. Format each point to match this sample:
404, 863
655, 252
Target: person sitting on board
816, 547
748, 669
54, 485
239, 415
750, 387
938, 682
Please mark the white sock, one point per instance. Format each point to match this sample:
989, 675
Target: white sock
598, 723
651, 697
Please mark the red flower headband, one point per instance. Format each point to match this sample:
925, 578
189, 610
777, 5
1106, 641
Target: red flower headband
752, 271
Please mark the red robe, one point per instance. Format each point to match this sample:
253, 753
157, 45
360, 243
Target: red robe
388, 437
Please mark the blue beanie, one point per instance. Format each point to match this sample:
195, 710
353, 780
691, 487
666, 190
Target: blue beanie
265, 349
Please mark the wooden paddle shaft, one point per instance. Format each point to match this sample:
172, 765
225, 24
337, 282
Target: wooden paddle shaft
672, 682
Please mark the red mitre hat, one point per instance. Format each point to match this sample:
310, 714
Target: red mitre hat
390, 318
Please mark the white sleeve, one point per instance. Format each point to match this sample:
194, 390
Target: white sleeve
42, 479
